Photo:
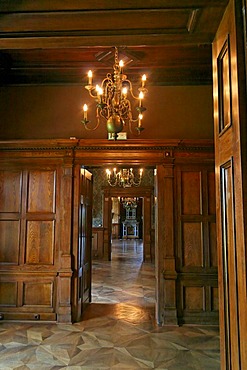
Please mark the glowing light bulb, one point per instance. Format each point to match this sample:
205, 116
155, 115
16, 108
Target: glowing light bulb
144, 78
124, 91
85, 109
90, 77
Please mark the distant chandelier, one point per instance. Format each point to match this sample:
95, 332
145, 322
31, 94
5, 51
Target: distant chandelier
124, 178
128, 202
112, 101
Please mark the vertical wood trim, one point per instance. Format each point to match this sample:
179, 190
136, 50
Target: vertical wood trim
23, 217
64, 219
107, 225
147, 229
229, 265
164, 241
159, 240
75, 235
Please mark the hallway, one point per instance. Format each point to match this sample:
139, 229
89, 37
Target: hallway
118, 330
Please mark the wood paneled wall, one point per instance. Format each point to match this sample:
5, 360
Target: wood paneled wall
196, 261
28, 237
35, 268
38, 237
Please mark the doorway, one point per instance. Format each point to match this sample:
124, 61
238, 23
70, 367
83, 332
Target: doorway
130, 228
119, 273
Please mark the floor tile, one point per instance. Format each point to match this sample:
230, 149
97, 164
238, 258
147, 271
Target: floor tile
118, 330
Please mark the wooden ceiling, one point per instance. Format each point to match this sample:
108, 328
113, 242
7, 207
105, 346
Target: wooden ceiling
56, 42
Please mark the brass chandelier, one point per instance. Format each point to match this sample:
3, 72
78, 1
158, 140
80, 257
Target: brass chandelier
129, 203
112, 101
124, 177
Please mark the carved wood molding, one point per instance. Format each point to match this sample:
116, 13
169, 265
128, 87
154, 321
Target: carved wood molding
104, 144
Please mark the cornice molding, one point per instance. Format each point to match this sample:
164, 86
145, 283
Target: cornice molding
106, 145
139, 148
35, 148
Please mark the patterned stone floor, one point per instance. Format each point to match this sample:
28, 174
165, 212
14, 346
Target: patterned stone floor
118, 330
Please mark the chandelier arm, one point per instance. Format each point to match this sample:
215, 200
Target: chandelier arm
107, 80
112, 181
112, 184
91, 94
134, 120
136, 183
93, 128
104, 113
128, 116
131, 89
136, 132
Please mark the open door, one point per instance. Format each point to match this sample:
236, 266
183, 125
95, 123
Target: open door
107, 225
83, 270
230, 157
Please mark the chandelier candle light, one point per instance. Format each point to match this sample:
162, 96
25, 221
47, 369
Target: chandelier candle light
129, 202
124, 178
112, 101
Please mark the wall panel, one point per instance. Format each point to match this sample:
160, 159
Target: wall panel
194, 298
10, 191
29, 238
45, 296
192, 244
8, 293
41, 191
196, 261
191, 181
9, 241
40, 242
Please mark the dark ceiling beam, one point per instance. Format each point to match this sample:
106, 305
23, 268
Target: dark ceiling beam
56, 42
53, 42
58, 5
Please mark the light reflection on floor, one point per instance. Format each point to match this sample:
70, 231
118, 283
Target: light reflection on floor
118, 330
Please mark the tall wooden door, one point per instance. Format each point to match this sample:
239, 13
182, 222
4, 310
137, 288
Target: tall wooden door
83, 270
107, 225
230, 157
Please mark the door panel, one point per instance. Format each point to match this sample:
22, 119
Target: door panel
196, 262
107, 225
230, 154
29, 233
84, 243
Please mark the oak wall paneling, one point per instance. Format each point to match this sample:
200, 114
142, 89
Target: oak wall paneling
34, 273
97, 243
196, 244
186, 282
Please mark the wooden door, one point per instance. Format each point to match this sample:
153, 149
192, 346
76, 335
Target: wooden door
230, 157
147, 253
107, 225
84, 243
196, 247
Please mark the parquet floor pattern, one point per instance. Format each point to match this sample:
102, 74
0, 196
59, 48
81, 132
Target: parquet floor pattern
118, 330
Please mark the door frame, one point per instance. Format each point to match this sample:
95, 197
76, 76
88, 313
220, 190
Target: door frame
145, 192
161, 155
